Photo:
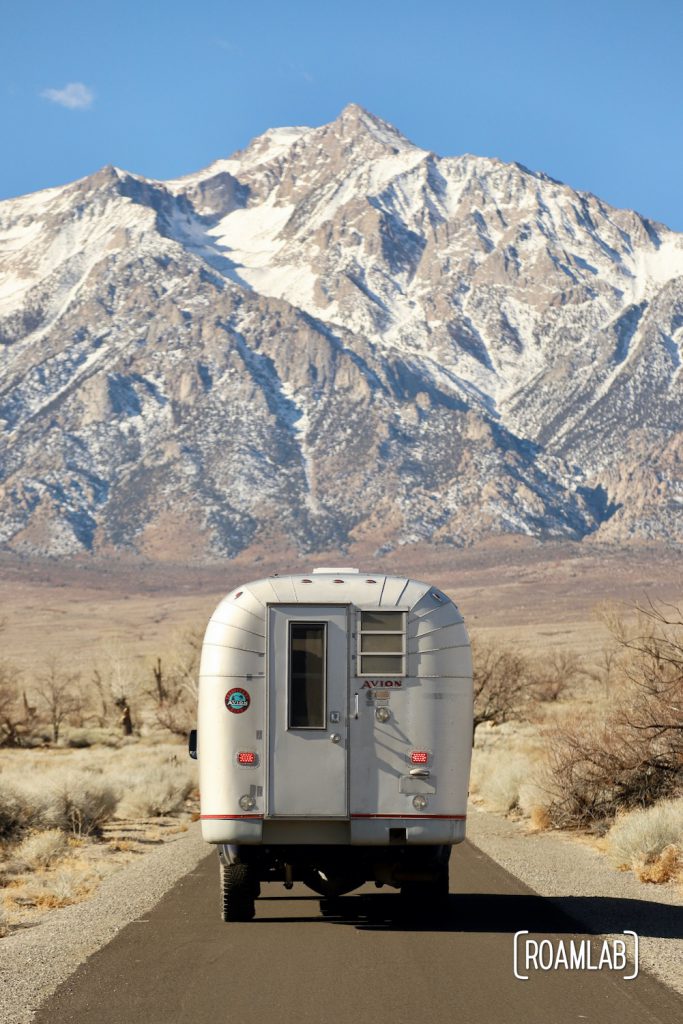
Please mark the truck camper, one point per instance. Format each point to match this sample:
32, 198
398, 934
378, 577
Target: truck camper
334, 736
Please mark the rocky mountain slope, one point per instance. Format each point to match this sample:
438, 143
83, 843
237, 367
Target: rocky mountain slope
334, 337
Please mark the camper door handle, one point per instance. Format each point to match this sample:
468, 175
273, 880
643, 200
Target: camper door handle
355, 705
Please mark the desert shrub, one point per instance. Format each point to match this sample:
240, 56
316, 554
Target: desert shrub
80, 803
58, 889
533, 799
634, 756
498, 776
88, 737
22, 807
174, 688
57, 693
154, 792
4, 923
660, 868
645, 837
41, 849
501, 787
10, 713
501, 682
75, 802
12, 817
597, 769
551, 677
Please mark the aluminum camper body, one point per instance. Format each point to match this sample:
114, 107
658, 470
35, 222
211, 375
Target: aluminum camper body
335, 712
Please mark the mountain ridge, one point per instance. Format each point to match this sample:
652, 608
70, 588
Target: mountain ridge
333, 335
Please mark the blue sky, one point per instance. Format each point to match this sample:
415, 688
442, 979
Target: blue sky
590, 92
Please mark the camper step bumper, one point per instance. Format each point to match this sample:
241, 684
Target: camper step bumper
359, 830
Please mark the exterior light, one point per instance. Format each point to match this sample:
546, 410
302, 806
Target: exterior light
420, 802
247, 802
382, 714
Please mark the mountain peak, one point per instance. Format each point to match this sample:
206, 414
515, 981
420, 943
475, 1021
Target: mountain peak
355, 119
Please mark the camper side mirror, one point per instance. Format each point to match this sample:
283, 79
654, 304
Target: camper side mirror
192, 744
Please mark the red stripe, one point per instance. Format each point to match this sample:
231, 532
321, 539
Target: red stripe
240, 817
229, 817
445, 817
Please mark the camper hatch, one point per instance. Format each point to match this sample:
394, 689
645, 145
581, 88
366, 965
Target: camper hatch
334, 735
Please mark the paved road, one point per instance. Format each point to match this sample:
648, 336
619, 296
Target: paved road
182, 964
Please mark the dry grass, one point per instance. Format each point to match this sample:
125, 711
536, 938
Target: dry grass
154, 792
69, 884
662, 868
75, 802
539, 819
505, 766
62, 814
41, 849
649, 842
499, 780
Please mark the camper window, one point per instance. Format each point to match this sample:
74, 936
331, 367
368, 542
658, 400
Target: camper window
307, 683
382, 643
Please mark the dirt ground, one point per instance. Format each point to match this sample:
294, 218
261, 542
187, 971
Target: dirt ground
536, 596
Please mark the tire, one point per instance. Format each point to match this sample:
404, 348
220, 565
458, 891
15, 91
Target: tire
238, 887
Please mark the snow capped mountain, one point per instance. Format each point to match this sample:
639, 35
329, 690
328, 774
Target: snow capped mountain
331, 337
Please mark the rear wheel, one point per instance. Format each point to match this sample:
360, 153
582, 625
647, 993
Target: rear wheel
238, 888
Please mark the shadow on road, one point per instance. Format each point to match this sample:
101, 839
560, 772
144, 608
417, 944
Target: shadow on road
496, 913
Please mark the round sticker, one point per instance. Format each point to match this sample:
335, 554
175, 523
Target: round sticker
237, 700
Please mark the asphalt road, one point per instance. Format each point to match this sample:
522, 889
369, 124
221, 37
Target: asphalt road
181, 963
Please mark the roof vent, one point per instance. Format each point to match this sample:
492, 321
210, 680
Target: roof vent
336, 569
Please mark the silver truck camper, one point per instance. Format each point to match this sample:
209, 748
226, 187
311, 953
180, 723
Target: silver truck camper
334, 735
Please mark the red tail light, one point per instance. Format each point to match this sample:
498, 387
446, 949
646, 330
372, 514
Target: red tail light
246, 757
419, 757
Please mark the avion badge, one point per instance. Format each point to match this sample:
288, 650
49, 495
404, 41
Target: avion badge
237, 700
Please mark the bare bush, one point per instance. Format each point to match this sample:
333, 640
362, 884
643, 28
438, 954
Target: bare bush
56, 691
501, 683
119, 690
175, 687
553, 676
605, 670
10, 706
634, 757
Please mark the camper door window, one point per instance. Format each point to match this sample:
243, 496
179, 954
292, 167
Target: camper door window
382, 643
307, 675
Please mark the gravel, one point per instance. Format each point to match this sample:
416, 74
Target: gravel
35, 961
580, 880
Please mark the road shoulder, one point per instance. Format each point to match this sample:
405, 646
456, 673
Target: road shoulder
581, 881
35, 961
